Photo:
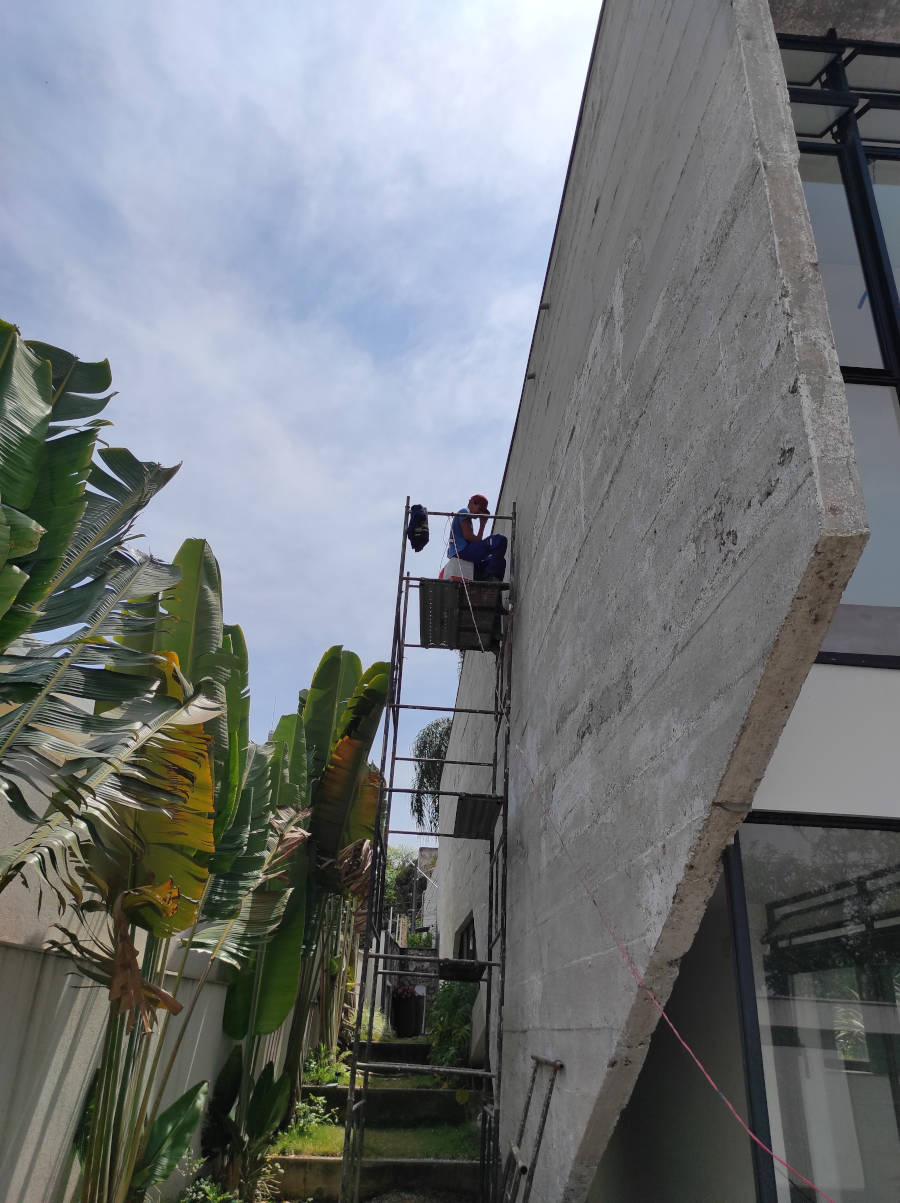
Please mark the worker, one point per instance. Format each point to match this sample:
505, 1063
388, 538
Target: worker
487, 555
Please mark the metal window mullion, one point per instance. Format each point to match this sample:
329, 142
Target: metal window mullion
748, 1016
873, 253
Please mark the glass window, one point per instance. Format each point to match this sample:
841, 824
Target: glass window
804, 66
875, 422
824, 916
885, 175
879, 72
845, 288
879, 124
815, 120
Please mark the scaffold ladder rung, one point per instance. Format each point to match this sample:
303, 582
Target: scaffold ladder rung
519, 1169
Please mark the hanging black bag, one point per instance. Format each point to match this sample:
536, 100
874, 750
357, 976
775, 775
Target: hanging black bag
417, 528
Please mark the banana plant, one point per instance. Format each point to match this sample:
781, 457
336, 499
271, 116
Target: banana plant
343, 708
43, 464
65, 573
124, 719
102, 741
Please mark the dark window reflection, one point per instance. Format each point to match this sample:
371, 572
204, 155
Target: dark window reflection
886, 185
824, 909
875, 422
848, 297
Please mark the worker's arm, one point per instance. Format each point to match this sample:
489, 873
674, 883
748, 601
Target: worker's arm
466, 528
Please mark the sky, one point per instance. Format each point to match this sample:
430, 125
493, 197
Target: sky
310, 239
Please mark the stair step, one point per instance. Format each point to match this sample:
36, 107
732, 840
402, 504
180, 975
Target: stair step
303, 1177
403, 1107
405, 1051
419, 1067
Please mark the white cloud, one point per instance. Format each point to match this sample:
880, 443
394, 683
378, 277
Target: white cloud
311, 241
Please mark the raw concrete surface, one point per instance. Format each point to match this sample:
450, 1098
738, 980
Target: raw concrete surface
868, 20
689, 512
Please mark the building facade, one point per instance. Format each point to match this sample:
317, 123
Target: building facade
702, 798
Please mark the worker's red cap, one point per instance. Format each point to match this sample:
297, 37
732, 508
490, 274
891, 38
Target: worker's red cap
478, 497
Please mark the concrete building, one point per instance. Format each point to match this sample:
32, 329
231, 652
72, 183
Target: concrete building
703, 766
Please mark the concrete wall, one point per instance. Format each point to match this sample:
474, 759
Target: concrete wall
868, 20
688, 514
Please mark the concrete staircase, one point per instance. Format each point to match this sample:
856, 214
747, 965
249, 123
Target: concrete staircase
392, 1107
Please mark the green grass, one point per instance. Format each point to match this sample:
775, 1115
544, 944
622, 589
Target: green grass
444, 1141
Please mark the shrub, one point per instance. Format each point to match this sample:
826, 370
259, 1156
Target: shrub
417, 939
450, 1022
381, 1029
204, 1190
323, 1067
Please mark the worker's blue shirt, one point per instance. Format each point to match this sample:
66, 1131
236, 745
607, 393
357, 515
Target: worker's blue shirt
457, 538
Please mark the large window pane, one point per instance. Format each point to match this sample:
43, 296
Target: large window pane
875, 421
877, 71
886, 183
804, 66
824, 914
845, 288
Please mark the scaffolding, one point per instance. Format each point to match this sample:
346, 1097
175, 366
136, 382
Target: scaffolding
472, 616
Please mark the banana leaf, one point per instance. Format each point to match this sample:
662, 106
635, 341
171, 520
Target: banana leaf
12, 582
25, 407
194, 607
237, 702
336, 793
320, 710
217, 1131
142, 832
267, 1103
291, 732
194, 629
170, 1137
241, 854
351, 671
71, 377
38, 732
280, 973
63, 589
236, 940
58, 505
239, 999
284, 953
24, 533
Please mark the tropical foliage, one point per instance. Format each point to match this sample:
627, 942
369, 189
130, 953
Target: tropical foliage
430, 750
450, 1023
147, 814
399, 879
317, 882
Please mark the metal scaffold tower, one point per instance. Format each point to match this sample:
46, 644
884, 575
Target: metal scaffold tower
475, 617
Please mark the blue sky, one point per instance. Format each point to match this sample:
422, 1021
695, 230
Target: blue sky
310, 239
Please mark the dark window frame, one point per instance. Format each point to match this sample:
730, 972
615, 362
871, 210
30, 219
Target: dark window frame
854, 155
465, 945
751, 1040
